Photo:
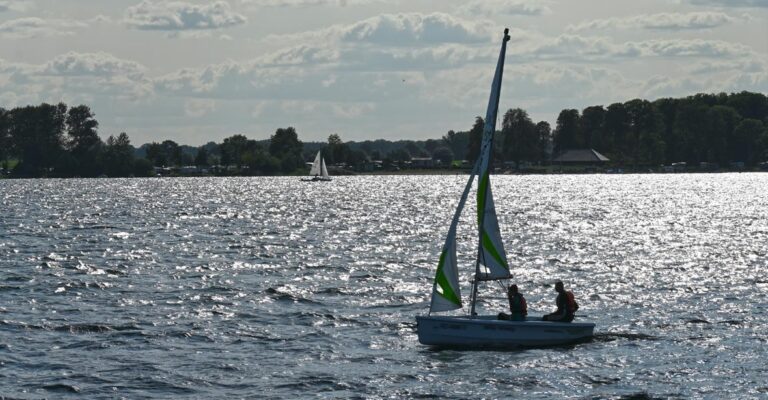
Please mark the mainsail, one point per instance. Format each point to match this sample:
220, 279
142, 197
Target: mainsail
491, 254
315, 170
491, 250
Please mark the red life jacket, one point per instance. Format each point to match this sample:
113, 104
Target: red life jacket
570, 302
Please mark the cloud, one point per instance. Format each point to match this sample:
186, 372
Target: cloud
197, 108
92, 64
81, 76
414, 28
731, 3
574, 47
179, 16
15, 5
308, 3
508, 7
661, 21
23, 28
399, 30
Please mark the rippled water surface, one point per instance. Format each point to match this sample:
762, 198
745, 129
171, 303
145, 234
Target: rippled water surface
271, 287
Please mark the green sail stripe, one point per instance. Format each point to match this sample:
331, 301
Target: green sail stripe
491, 248
481, 195
443, 282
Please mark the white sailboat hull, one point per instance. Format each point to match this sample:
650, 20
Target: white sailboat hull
488, 331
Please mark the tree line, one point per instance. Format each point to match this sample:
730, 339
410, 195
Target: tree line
59, 141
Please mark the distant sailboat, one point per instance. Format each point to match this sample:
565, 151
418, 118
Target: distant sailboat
319, 172
490, 265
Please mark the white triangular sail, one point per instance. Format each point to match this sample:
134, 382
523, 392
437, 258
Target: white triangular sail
446, 295
323, 169
492, 254
315, 170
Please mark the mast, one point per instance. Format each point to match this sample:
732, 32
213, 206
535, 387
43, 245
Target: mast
485, 159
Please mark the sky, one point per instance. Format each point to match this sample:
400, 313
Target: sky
200, 71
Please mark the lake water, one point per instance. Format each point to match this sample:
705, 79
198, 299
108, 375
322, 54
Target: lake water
271, 287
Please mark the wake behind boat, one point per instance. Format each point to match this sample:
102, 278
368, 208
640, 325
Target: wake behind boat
318, 170
490, 265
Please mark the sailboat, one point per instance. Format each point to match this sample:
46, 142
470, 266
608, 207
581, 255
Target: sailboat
318, 171
475, 330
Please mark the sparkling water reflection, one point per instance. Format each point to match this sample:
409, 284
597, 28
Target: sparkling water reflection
251, 287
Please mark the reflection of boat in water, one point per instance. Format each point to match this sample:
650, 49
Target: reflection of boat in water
490, 265
318, 170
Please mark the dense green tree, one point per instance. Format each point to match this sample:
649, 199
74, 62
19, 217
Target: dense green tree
568, 131
458, 142
617, 125
443, 154
544, 135
475, 140
645, 127
750, 138
336, 152
156, 155
201, 159
5, 138
172, 152
235, 150
83, 142
520, 140
286, 146
431, 144
414, 149
119, 156
750, 105
36, 133
593, 128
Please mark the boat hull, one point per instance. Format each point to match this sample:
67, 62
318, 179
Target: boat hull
488, 331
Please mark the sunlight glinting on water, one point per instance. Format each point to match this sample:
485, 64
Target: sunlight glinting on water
212, 287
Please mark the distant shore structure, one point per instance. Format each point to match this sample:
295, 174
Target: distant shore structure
580, 156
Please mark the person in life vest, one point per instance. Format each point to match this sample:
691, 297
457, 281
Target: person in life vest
517, 305
566, 305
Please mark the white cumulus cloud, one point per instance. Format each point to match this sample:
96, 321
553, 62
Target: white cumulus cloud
22, 28
660, 21
178, 16
504, 7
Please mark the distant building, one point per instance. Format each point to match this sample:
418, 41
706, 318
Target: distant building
580, 156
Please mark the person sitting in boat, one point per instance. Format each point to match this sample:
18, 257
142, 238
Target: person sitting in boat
517, 305
566, 305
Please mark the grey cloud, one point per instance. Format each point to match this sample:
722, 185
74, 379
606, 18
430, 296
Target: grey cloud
508, 7
413, 28
178, 16
14, 5
732, 3
661, 21
571, 46
93, 64
22, 28
305, 3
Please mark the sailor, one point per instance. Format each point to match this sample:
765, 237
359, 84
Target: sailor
517, 305
566, 305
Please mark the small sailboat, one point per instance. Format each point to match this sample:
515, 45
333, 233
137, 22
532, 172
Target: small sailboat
490, 265
319, 172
